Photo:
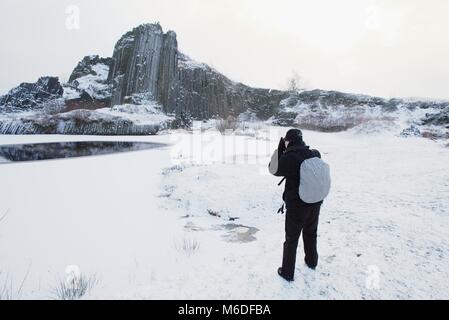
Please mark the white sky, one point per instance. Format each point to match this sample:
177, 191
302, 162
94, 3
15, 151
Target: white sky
379, 47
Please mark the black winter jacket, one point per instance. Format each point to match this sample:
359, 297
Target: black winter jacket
289, 164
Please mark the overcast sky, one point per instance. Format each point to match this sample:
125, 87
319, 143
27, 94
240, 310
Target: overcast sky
379, 47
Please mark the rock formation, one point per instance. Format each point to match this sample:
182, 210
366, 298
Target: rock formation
32, 95
88, 86
82, 122
147, 70
145, 61
206, 93
439, 119
85, 67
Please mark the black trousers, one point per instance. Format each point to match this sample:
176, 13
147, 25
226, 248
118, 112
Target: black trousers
305, 220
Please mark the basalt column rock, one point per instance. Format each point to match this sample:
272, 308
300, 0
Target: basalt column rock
205, 93
167, 82
145, 61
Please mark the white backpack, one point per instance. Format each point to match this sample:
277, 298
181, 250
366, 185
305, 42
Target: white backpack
315, 180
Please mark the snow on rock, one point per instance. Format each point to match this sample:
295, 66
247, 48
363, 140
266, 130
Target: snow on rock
70, 93
185, 62
331, 111
120, 120
91, 65
412, 131
29, 96
95, 85
439, 118
88, 84
140, 114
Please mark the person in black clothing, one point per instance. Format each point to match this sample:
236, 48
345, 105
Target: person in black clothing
300, 216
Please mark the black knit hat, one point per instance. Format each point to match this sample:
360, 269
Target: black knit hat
293, 135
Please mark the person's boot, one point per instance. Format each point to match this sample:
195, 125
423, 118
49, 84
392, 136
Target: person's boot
284, 277
313, 267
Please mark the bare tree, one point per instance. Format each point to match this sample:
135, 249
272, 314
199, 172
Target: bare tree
295, 83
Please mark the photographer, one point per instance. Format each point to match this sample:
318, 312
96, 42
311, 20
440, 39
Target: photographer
301, 216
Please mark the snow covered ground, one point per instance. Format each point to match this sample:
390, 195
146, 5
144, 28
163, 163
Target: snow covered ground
197, 219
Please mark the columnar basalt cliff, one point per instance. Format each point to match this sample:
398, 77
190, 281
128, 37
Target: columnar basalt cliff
145, 61
205, 93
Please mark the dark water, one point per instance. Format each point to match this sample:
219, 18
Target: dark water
64, 150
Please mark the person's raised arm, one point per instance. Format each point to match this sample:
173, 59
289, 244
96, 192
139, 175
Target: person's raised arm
277, 154
287, 166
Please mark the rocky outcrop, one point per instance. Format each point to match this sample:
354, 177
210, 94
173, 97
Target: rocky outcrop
206, 93
438, 119
333, 111
330, 98
85, 67
88, 86
145, 61
412, 131
28, 96
83, 122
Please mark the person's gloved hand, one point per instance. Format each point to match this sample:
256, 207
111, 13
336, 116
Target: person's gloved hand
281, 147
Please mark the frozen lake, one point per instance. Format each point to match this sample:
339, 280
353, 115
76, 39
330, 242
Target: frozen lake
64, 150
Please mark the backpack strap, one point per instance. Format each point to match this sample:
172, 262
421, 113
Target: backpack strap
281, 181
281, 209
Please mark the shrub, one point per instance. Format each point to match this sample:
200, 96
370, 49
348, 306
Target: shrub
187, 246
183, 120
7, 289
74, 288
227, 125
